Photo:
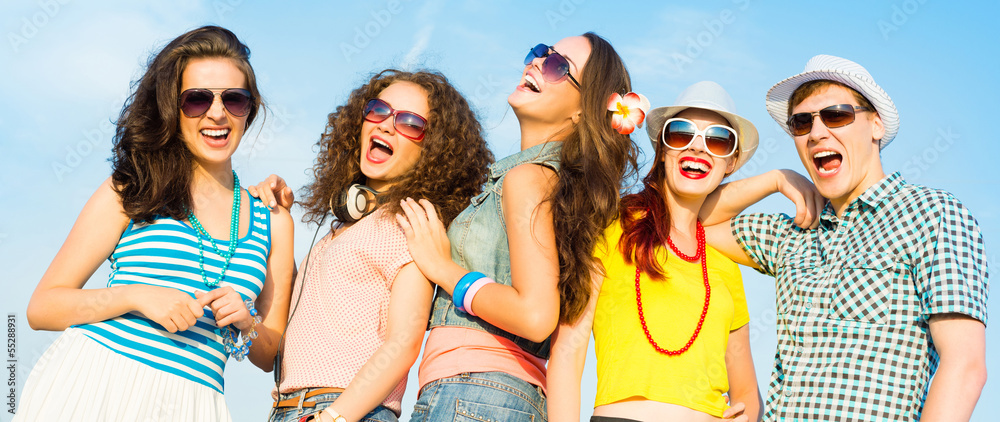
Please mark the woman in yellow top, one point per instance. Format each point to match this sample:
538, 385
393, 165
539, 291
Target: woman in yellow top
668, 313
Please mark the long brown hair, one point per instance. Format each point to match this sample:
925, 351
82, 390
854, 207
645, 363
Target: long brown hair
152, 168
595, 160
454, 158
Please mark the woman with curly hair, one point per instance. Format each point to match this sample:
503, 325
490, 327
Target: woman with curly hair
518, 259
360, 307
170, 221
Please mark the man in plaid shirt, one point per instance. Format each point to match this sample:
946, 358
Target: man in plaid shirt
888, 291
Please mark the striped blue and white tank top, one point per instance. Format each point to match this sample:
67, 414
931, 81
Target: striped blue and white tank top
165, 253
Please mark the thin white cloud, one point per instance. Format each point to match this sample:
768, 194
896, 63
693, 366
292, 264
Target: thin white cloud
421, 40
691, 42
427, 13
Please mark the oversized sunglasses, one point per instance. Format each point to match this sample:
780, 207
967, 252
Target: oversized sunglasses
406, 123
833, 117
197, 101
679, 134
555, 67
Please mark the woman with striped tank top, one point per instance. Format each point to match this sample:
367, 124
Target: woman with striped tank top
184, 295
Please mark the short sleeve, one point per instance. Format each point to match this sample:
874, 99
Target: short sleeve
733, 280
396, 252
951, 271
741, 314
759, 235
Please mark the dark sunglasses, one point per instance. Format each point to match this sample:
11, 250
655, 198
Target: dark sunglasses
197, 101
833, 117
406, 123
555, 67
679, 134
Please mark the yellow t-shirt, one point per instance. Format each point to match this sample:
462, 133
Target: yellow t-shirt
627, 364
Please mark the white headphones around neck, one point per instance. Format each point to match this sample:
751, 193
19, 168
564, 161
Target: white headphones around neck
354, 203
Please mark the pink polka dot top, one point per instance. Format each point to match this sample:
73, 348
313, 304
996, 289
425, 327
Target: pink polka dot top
343, 312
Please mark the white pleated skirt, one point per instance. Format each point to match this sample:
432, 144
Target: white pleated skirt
78, 379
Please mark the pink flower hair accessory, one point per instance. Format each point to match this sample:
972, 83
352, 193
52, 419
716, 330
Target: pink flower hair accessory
629, 111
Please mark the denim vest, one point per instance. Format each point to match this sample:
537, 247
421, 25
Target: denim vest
479, 243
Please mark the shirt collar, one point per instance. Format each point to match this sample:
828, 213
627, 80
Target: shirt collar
873, 197
543, 150
881, 191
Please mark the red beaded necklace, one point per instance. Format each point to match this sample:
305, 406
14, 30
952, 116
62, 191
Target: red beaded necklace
700, 253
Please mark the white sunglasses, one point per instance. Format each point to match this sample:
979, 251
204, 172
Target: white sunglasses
720, 140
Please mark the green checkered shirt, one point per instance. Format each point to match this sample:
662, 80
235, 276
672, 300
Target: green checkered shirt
855, 295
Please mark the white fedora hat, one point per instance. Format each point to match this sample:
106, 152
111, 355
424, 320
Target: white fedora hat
832, 68
710, 96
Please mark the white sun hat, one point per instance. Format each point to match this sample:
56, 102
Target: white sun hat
832, 68
710, 96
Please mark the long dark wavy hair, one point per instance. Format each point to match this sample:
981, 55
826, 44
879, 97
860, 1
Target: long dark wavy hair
152, 168
454, 158
595, 162
645, 218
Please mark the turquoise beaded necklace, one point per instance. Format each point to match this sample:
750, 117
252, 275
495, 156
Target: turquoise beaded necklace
234, 231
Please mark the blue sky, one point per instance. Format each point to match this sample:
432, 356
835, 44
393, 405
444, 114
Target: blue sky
67, 67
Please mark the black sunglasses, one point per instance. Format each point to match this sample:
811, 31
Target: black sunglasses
196, 101
833, 117
555, 67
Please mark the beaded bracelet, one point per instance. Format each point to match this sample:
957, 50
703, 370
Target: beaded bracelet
471, 293
458, 295
231, 338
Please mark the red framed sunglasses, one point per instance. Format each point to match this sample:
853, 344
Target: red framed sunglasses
406, 123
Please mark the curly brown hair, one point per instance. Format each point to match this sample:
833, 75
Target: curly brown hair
595, 162
454, 158
152, 168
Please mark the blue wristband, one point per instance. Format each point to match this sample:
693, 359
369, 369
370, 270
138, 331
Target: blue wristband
458, 295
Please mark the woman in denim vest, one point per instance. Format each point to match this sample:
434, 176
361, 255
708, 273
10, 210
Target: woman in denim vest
517, 260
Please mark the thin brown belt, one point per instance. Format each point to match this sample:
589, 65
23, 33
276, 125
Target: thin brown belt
295, 401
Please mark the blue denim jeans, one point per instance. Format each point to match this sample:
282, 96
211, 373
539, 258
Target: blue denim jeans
479, 397
293, 414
